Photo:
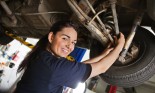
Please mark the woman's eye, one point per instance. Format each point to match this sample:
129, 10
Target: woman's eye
64, 38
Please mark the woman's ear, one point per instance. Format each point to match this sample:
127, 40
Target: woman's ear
50, 37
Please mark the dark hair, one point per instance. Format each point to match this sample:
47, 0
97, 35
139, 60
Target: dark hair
43, 42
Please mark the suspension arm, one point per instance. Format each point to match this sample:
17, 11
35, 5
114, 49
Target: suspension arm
129, 39
92, 26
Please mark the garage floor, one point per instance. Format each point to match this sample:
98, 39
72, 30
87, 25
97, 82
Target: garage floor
147, 87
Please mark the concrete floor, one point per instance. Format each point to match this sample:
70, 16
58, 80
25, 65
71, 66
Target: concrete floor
146, 87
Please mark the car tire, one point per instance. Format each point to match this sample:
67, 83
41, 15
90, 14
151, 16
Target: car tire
138, 71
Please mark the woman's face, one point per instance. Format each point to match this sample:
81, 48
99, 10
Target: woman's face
63, 43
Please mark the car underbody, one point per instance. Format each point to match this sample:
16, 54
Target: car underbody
99, 21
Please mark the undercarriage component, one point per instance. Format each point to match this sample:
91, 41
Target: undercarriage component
9, 13
99, 31
130, 37
113, 8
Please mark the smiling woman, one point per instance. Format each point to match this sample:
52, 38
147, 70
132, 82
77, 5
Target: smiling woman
62, 44
46, 68
54, 41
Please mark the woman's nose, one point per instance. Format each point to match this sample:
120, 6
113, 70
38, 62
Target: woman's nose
69, 45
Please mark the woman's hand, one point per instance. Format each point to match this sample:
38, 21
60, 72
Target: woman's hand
107, 50
105, 62
121, 41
